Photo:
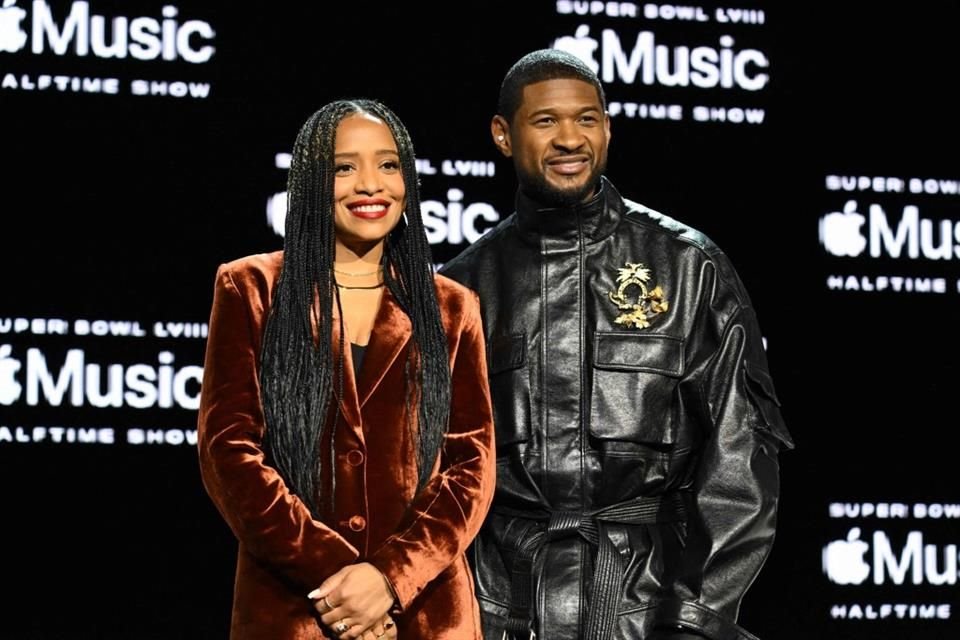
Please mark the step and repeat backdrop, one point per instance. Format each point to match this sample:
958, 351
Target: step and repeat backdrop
147, 142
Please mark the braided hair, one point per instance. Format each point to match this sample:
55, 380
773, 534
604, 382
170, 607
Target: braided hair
301, 384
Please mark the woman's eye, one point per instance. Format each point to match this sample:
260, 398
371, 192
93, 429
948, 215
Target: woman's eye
391, 165
342, 168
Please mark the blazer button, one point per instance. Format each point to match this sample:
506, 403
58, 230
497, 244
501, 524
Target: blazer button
357, 523
355, 457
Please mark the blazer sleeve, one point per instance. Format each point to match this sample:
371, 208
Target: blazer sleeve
269, 521
448, 511
736, 486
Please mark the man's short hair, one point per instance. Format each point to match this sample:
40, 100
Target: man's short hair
540, 65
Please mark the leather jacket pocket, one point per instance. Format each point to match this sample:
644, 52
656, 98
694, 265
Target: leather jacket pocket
510, 388
759, 386
634, 412
635, 376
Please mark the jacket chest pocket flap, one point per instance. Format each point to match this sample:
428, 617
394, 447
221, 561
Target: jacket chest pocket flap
510, 388
635, 377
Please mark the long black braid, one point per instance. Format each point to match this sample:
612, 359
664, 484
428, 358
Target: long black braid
300, 382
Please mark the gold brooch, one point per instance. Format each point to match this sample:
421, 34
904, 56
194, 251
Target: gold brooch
649, 303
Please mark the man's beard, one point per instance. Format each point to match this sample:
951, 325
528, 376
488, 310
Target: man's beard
536, 187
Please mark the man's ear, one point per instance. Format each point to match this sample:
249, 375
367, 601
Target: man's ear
500, 130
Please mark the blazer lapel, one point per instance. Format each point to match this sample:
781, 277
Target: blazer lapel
391, 332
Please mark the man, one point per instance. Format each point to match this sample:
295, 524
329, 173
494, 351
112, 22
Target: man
636, 422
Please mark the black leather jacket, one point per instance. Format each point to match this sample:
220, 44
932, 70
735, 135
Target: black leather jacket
637, 473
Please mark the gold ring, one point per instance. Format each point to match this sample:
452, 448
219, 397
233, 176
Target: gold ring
340, 627
327, 604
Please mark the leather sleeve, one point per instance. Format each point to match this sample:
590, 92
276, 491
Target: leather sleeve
735, 490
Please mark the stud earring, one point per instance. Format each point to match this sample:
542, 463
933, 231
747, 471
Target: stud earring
500, 138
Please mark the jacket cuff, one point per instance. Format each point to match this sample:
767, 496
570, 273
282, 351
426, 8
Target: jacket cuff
394, 569
680, 615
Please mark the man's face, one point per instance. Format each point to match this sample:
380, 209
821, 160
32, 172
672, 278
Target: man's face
558, 140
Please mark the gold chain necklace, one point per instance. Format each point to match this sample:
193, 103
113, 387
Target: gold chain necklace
372, 286
365, 273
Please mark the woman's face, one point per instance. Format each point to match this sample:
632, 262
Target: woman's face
369, 193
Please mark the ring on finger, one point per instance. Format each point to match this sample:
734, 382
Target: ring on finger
340, 627
327, 604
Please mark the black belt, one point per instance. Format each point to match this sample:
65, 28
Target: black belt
523, 540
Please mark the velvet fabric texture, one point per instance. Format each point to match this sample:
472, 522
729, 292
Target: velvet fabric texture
417, 541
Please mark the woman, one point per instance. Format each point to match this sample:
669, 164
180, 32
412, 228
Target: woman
353, 478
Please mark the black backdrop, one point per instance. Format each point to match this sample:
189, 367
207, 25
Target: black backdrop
118, 206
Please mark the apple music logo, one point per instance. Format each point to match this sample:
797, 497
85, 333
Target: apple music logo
10, 389
848, 562
80, 383
141, 38
842, 233
705, 67
845, 561
44, 385
12, 36
858, 232
625, 59
81, 34
903, 571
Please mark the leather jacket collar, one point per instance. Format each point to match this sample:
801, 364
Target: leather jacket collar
594, 220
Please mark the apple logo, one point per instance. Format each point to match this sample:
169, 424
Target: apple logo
840, 231
843, 559
12, 37
277, 212
580, 45
10, 389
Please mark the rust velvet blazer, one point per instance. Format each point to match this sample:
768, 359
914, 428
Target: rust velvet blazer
284, 553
